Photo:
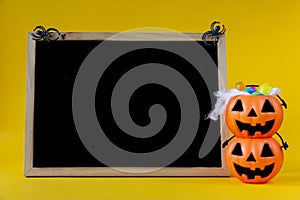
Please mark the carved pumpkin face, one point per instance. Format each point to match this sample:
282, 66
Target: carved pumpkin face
251, 116
254, 160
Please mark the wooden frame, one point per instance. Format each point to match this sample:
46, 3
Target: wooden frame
29, 170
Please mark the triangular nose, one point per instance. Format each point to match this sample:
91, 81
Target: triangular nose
251, 158
252, 113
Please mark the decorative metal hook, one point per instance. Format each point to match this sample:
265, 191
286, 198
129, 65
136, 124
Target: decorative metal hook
215, 31
41, 33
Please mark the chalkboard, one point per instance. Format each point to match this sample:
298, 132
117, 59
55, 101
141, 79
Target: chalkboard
134, 104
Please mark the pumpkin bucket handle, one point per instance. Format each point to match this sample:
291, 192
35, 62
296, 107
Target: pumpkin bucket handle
284, 144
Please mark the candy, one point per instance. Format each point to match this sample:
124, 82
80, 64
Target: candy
265, 88
249, 90
257, 93
240, 86
254, 88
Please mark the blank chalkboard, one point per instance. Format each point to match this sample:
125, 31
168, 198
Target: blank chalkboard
60, 136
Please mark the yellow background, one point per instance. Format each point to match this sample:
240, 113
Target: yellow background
262, 46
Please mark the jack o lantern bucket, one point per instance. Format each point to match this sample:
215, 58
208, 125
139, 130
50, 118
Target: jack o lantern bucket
251, 116
254, 160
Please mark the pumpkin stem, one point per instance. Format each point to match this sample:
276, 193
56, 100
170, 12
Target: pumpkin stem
226, 142
284, 144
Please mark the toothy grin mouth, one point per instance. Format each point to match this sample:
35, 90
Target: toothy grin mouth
258, 127
252, 173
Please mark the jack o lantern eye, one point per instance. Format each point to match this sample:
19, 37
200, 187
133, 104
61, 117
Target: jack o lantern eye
267, 107
238, 106
267, 152
237, 150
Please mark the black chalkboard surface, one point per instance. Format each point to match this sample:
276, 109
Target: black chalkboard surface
55, 142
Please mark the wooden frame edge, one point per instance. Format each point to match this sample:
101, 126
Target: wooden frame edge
223, 87
30, 68
129, 36
136, 172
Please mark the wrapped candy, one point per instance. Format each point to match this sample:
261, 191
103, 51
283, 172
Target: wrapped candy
265, 88
240, 86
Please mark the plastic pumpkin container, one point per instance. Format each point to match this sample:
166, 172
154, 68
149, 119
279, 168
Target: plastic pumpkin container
254, 160
250, 116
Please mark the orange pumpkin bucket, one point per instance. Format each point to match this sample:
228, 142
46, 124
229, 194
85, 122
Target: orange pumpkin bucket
254, 160
250, 116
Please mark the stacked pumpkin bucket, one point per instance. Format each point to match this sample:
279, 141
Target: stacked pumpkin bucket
253, 114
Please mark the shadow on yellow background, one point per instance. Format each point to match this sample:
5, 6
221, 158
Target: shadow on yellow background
262, 46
